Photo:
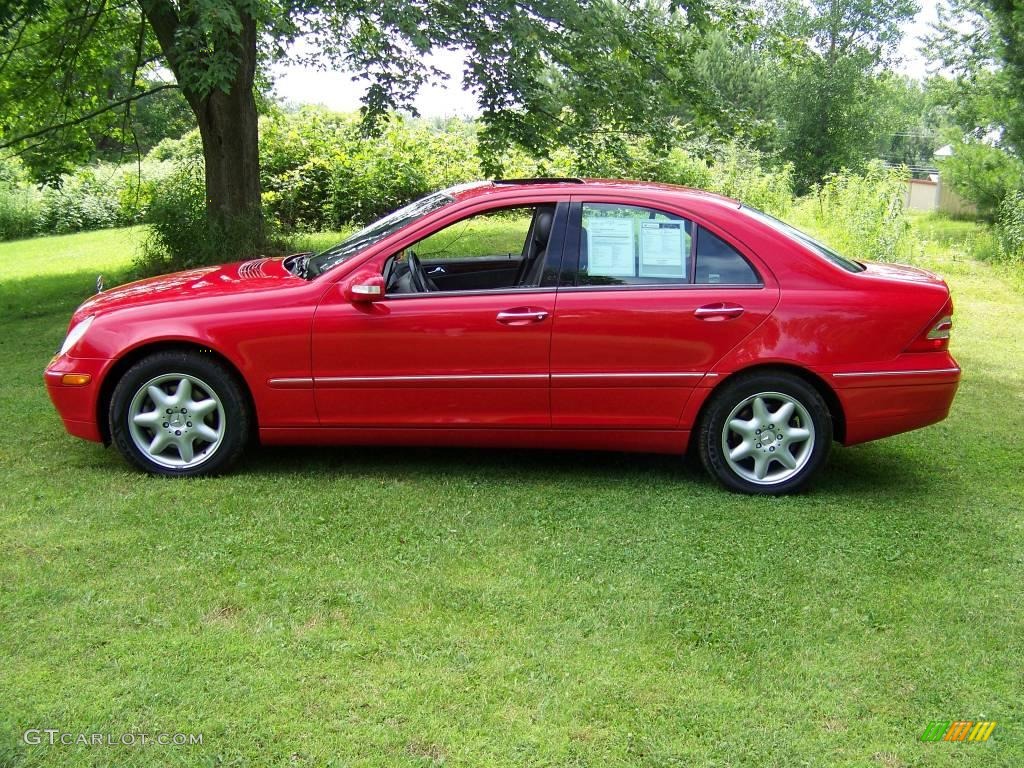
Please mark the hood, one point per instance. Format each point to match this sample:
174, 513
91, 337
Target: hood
255, 275
903, 273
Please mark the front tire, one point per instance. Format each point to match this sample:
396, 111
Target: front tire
179, 414
765, 433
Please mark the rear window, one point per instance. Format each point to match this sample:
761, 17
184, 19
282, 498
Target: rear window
804, 239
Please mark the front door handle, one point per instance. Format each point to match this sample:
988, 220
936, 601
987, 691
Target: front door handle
718, 311
522, 316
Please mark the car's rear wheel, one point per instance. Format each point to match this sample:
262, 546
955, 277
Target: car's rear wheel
179, 414
766, 432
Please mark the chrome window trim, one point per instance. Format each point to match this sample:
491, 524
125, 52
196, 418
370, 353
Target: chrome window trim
662, 287
475, 292
573, 289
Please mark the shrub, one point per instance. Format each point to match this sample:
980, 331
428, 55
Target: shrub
19, 212
739, 172
177, 221
983, 174
179, 235
99, 196
862, 215
1010, 228
83, 201
318, 171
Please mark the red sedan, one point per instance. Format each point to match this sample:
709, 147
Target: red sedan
552, 313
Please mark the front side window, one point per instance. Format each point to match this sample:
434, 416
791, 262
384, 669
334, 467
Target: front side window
633, 245
496, 250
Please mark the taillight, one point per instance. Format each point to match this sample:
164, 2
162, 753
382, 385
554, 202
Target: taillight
935, 338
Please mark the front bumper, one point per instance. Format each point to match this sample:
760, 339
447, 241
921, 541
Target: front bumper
77, 404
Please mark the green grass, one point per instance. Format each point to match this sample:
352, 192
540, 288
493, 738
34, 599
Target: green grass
398, 607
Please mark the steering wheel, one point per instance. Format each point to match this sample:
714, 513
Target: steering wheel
420, 281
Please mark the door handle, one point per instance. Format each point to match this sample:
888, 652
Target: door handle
719, 311
522, 316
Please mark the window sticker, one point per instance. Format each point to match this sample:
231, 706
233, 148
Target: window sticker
610, 247
663, 249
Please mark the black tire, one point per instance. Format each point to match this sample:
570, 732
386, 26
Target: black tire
230, 421
774, 389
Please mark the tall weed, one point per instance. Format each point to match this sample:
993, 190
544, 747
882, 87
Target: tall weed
862, 216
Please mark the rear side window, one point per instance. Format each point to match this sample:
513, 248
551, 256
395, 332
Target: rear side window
633, 245
720, 263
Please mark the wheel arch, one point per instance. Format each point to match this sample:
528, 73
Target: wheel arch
835, 407
134, 355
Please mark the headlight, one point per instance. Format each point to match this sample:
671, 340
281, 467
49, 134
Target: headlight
75, 335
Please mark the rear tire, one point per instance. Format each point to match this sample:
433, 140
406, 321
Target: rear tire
765, 433
180, 414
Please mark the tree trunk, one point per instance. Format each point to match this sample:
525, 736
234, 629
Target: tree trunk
227, 121
229, 130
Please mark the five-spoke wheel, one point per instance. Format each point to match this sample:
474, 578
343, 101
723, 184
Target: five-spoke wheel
765, 432
179, 413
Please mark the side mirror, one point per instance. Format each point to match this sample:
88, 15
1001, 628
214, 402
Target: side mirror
365, 287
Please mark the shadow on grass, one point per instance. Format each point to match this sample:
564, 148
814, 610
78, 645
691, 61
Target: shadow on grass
27, 298
864, 469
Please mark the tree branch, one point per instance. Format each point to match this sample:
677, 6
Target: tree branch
86, 117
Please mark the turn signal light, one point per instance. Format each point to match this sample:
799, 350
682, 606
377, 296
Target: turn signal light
75, 379
935, 337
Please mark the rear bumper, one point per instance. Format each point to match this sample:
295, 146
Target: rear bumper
76, 404
913, 392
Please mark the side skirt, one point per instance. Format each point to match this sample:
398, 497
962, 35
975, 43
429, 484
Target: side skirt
672, 441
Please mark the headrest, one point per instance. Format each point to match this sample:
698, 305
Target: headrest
542, 227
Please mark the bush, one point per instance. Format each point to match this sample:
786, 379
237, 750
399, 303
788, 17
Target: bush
179, 235
862, 216
82, 201
739, 172
100, 196
733, 170
19, 212
318, 172
983, 174
176, 216
1010, 228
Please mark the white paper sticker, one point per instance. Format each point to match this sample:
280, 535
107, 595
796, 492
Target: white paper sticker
610, 247
663, 249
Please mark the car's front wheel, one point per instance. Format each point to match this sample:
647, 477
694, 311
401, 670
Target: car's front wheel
766, 432
179, 414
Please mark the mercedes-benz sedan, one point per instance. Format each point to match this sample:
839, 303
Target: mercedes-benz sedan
553, 313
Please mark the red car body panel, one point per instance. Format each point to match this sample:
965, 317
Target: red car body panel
624, 369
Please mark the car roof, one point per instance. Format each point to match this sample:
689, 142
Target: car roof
475, 189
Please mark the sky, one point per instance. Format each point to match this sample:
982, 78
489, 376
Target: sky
340, 91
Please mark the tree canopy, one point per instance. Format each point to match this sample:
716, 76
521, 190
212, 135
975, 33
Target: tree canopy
801, 80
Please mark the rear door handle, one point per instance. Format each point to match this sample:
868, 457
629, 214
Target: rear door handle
522, 316
718, 311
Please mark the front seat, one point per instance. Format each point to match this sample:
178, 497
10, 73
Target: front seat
532, 268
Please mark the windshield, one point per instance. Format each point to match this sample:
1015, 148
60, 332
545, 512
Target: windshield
819, 248
364, 238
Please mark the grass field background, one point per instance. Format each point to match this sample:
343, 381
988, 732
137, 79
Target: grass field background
399, 607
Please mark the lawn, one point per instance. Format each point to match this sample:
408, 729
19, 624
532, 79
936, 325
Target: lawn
398, 607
